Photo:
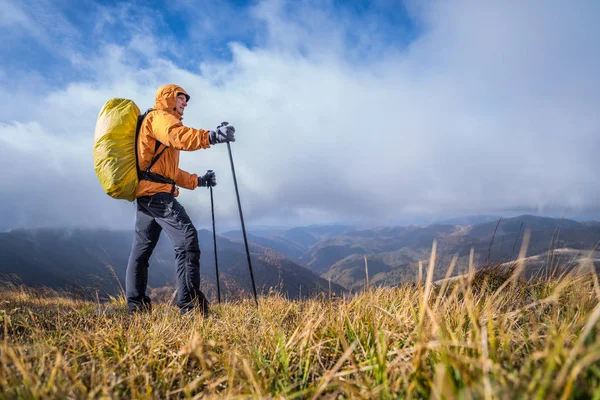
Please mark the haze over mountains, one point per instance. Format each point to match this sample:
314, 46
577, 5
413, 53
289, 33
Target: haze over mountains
89, 260
301, 261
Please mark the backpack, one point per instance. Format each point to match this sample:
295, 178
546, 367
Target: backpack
115, 149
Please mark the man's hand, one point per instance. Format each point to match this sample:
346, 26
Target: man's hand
209, 179
224, 133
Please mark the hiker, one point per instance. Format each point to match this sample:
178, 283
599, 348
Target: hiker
161, 137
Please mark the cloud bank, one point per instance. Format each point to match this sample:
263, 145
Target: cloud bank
473, 108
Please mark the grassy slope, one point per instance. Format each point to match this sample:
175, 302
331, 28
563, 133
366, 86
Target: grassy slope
483, 336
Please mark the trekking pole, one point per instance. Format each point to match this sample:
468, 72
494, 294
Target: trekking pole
212, 209
242, 219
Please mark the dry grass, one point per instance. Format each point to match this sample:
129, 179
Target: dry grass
481, 336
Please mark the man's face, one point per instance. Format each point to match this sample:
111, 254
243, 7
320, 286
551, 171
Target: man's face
181, 104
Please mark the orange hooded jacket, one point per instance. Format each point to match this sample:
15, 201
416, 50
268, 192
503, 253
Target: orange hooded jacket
164, 125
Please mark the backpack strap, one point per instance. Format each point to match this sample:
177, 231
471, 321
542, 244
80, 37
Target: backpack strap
156, 156
146, 174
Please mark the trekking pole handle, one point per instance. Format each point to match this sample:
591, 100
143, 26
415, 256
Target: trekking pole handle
209, 171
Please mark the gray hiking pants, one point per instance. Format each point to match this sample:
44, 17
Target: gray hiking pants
155, 213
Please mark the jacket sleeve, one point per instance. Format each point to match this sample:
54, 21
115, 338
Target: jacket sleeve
186, 180
171, 132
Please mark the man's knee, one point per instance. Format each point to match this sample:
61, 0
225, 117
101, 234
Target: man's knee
189, 241
192, 243
141, 252
143, 245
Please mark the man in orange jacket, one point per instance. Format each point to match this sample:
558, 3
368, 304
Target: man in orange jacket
161, 137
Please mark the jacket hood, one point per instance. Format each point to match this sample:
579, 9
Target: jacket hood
166, 98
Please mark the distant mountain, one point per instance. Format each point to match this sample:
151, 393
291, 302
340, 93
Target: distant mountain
373, 241
299, 261
561, 260
72, 259
90, 260
326, 255
257, 231
393, 254
515, 225
469, 220
292, 242
555, 263
272, 269
282, 245
310, 235
352, 272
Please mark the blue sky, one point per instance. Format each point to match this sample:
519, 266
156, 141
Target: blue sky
378, 112
46, 36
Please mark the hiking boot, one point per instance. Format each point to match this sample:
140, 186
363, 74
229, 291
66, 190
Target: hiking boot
145, 308
203, 310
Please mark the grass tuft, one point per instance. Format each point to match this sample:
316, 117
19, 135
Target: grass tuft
488, 334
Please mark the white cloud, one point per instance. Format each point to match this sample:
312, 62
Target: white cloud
492, 107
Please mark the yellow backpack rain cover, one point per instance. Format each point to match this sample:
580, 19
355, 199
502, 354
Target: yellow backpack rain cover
115, 160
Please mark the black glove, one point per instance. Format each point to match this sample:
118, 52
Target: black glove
224, 133
209, 179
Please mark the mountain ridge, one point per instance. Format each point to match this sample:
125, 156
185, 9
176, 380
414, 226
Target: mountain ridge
95, 261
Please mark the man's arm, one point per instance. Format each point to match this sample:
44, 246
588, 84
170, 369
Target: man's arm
172, 133
186, 180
